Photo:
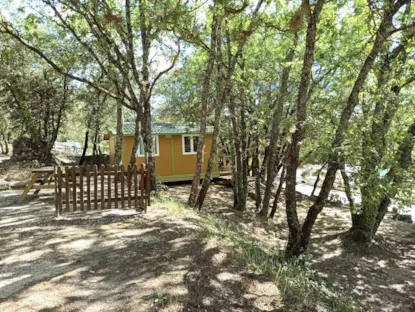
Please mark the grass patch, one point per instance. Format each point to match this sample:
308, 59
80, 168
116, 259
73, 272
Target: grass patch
300, 287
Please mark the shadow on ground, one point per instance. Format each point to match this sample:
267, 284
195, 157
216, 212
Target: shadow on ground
381, 278
118, 261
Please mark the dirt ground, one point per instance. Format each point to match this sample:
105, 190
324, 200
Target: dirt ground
381, 278
122, 261
118, 261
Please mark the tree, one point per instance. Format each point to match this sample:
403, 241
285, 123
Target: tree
300, 235
204, 110
107, 34
36, 100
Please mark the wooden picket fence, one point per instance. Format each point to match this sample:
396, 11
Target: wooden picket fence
87, 188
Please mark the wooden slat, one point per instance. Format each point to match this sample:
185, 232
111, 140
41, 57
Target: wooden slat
129, 185
102, 174
141, 184
116, 186
81, 187
73, 171
99, 199
122, 186
95, 173
55, 177
34, 187
109, 186
135, 187
60, 185
148, 186
43, 170
41, 187
88, 187
67, 188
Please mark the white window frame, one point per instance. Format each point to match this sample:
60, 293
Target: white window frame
191, 144
156, 144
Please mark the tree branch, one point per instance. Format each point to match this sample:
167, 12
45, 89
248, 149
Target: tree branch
6, 30
176, 57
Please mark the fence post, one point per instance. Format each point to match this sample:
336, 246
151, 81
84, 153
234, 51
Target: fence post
55, 178
129, 185
73, 171
108, 167
67, 189
116, 185
102, 187
60, 199
88, 187
135, 187
81, 187
141, 183
148, 186
122, 186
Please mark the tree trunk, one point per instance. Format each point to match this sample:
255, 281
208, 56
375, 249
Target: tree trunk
293, 246
5, 139
137, 139
263, 165
145, 95
244, 149
204, 103
95, 141
317, 179
120, 135
366, 223
235, 186
248, 155
237, 159
299, 241
366, 220
256, 172
255, 156
216, 124
275, 129
81, 161
277, 194
347, 188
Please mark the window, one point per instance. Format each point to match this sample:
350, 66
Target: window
190, 144
140, 150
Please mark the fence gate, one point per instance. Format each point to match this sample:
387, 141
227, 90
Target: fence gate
85, 188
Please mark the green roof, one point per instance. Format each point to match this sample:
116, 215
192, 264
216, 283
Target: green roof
159, 128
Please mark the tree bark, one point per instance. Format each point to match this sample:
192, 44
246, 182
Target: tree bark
256, 172
216, 124
237, 160
300, 241
366, 219
137, 139
81, 161
317, 179
347, 188
145, 94
120, 135
275, 129
204, 103
294, 239
277, 194
366, 223
244, 150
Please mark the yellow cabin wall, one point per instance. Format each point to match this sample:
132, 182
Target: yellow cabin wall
171, 161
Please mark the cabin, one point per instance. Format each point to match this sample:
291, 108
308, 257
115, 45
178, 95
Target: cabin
175, 146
